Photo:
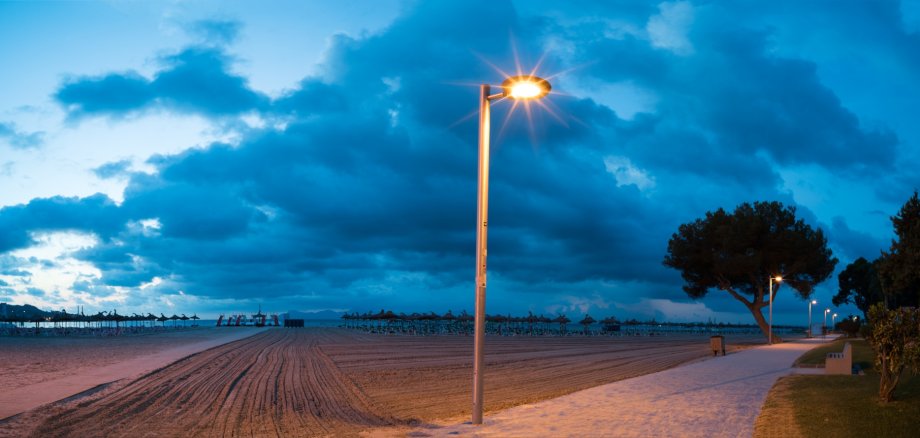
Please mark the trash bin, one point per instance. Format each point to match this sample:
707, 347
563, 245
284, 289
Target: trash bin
717, 343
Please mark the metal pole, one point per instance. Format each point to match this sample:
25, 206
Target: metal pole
482, 218
809, 319
771, 311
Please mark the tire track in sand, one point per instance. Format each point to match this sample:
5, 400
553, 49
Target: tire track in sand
277, 383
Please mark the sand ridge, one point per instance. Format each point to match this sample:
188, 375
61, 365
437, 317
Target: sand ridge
45, 370
320, 382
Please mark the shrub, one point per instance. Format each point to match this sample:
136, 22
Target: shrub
895, 336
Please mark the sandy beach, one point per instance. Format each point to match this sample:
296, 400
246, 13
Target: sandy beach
40, 370
316, 382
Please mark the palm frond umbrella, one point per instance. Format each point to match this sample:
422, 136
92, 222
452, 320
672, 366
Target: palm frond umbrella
184, 319
195, 318
562, 320
450, 318
174, 318
531, 318
611, 324
390, 317
99, 317
586, 322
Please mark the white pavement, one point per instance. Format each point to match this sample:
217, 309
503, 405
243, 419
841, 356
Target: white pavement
717, 397
29, 397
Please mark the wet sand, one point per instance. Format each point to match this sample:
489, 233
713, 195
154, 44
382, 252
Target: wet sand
318, 382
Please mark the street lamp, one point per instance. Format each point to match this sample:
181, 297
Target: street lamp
824, 329
809, 315
524, 87
777, 279
833, 320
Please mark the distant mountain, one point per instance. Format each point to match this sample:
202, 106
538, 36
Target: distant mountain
322, 314
25, 312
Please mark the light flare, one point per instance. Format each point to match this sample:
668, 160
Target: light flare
524, 90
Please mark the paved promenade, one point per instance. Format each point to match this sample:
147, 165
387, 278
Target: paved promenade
717, 397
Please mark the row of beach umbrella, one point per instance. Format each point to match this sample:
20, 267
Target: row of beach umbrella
98, 320
432, 323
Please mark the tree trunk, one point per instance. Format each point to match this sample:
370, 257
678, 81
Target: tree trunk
888, 380
762, 322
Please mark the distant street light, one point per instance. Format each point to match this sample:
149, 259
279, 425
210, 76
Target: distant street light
833, 321
824, 329
809, 316
777, 279
517, 87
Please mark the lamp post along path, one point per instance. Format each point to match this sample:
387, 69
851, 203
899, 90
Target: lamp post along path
516, 87
778, 279
810, 303
482, 218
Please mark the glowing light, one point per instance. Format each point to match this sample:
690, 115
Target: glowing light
778, 279
526, 87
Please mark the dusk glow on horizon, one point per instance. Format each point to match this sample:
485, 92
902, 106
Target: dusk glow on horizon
212, 157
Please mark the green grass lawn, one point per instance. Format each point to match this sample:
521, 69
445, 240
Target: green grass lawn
862, 353
835, 406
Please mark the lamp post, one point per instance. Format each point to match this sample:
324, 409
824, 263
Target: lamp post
833, 320
809, 315
824, 329
517, 87
778, 279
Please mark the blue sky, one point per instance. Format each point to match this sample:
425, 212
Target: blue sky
213, 156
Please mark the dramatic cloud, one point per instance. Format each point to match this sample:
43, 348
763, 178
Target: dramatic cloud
195, 80
97, 214
355, 187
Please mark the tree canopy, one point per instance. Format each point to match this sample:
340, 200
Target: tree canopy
739, 252
859, 284
900, 266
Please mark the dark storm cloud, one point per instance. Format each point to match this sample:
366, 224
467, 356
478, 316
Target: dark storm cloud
112, 94
779, 105
18, 139
369, 184
194, 80
345, 193
97, 214
733, 98
853, 243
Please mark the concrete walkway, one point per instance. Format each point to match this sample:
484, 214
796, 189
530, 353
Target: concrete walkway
29, 397
717, 397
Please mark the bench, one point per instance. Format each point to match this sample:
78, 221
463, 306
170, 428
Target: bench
839, 363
